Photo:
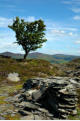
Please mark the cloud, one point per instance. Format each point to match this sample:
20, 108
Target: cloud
30, 18
50, 51
76, 17
66, 2
77, 42
78, 51
8, 45
71, 2
57, 32
70, 34
76, 10
69, 29
7, 39
74, 5
63, 28
4, 22
60, 32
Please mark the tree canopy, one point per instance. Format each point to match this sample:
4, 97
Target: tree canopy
30, 35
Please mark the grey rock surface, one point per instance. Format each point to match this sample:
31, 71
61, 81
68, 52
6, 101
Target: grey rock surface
47, 99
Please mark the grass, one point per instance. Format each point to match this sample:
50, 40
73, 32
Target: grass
9, 117
77, 117
26, 69
9, 89
2, 98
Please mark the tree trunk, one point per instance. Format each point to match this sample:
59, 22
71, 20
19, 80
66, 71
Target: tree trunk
25, 55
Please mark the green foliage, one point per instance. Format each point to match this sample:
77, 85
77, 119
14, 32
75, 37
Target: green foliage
30, 35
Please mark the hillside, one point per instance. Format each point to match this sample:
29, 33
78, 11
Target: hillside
26, 69
65, 57
54, 59
71, 69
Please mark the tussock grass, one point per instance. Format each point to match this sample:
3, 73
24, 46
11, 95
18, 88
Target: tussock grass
26, 69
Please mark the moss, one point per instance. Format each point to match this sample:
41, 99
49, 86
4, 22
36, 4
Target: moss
14, 88
9, 117
2, 100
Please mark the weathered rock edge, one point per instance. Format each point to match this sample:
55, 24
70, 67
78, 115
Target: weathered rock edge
47, 99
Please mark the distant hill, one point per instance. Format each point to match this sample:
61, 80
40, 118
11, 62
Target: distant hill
77, 60
57, 58
12, 55
65, 57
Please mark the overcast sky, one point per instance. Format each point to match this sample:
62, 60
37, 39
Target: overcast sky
62, 18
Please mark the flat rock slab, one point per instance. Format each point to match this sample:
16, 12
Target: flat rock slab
29, 117
28, 105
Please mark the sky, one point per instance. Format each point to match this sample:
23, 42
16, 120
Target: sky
62, 19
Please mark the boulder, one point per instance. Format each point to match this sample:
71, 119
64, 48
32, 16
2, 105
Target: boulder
13, 77
48, 98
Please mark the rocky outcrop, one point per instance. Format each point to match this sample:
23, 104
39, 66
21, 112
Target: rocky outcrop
47, 99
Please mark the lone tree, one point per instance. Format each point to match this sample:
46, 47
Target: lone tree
30, 35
